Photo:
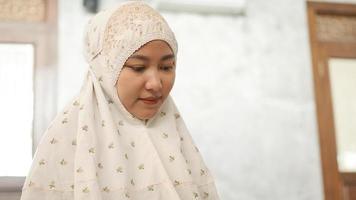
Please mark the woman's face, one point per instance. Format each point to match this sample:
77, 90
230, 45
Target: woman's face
146, 79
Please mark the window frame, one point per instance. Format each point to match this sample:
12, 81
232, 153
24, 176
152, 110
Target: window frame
43, 36
337, 185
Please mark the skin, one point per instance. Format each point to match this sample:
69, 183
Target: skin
149, 72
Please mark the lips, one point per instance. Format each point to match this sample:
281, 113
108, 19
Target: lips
151, 100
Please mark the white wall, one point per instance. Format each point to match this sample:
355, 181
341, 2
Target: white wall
244, 87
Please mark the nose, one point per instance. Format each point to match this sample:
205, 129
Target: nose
154, 82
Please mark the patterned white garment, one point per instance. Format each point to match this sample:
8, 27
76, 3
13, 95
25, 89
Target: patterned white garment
96, 150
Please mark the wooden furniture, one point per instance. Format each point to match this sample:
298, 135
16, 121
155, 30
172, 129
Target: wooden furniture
332, 30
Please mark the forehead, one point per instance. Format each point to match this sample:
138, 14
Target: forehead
154, 48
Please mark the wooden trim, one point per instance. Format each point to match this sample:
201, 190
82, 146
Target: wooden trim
344, 9
321, 52
349, 177
339, 51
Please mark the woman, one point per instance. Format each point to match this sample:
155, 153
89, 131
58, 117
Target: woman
122, 136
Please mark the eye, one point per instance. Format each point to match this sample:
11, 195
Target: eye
166, 68
136, 68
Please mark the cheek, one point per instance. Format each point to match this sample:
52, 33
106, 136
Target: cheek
126, 88
168, 84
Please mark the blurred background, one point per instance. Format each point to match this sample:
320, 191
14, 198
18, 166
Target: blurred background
248, 76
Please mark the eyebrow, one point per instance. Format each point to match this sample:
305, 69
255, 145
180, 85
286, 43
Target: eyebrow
144, 58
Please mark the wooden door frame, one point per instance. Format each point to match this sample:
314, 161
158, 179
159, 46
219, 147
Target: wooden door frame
321, 52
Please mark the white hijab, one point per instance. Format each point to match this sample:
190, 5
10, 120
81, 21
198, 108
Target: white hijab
96, 150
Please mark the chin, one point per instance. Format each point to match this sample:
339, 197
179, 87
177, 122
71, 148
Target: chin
147, 115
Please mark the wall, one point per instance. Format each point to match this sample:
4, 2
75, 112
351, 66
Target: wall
244, 87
